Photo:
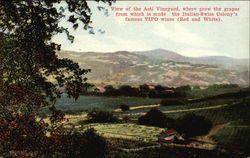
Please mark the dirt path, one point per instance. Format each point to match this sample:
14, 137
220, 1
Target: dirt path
205, 142
216, 128
196, 109
139, 107
182, 110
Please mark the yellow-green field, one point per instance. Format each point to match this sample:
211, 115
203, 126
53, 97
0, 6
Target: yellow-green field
128, 131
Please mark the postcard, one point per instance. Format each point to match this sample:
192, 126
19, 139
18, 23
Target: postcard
124, 79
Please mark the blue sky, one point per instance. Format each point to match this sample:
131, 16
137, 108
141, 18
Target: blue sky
227, 38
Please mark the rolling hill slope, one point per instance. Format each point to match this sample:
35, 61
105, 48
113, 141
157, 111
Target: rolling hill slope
220, 61
156, 67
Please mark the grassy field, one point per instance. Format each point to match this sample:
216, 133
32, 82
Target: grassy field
218, 111
191, 105
84, 103
128, 131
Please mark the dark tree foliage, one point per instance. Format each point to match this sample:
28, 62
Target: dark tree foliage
28, 57
111, 91
27, 60
183, 90
159, 88
170, 102
124, 107
127, 90
144, 90
22, 132
78, 145
154, 117
193, 125
99, 116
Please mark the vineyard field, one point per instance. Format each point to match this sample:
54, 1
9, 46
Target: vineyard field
234, 138
84, 103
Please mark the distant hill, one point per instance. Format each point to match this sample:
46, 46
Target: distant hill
156, 67
220, 61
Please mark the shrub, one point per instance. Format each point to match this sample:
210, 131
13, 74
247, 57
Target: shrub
168, 102
95, 145
78, 145
21, 132
124, 107
193, 125
154, 117
126, 118
99, 116
23, 136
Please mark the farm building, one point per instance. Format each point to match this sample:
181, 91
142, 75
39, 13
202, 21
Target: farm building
168, 136
171, 132
100, 90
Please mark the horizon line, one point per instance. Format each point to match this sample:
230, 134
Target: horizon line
80, 51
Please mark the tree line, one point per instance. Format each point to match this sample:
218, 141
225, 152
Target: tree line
144, 90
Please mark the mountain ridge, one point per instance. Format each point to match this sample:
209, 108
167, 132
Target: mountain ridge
133, 68
221, 61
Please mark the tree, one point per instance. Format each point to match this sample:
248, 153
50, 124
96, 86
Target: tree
124, 107
109, 90
171, 102
183, 91
28, 57
154, 117
100, 116
159, 88
144, 90
127, 90
193, 125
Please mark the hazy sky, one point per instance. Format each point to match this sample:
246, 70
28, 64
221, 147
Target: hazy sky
228, 38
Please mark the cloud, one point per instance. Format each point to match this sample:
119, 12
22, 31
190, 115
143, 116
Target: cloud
129, 44
106, 44
87, 43
194, 52
179, 34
